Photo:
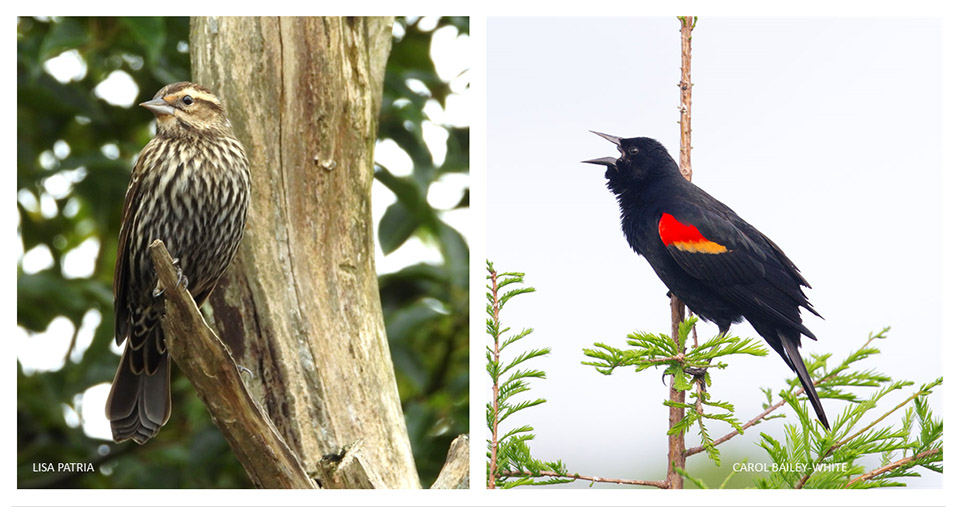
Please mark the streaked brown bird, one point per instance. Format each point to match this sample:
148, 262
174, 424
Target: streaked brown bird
190, 188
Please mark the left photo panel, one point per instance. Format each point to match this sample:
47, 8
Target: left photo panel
243, 252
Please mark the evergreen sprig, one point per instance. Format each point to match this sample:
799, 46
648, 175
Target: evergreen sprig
510, 463
689, 370
808, 456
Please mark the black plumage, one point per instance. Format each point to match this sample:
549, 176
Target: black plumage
722, 267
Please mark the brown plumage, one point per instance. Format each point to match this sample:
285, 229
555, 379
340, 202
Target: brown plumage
190, 188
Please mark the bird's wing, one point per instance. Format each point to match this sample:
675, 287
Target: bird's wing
710, 247
131, 202
737, 260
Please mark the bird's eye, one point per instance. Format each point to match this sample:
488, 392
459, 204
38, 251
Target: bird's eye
633, 150
187, 100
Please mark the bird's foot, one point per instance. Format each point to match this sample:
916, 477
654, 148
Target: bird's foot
158, 291
243, 369
181, 278
697, 373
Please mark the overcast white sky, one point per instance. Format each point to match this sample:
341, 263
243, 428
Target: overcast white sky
823, 133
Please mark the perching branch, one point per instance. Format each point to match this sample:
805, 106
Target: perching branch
210, 367
687, 23
676, 444
676, 457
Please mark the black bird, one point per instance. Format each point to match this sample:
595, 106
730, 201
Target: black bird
723, 268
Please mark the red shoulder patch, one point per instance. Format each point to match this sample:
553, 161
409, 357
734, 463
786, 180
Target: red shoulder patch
686, 237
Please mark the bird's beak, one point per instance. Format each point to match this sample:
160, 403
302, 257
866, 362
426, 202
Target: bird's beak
613, 139
607, 161
158, 107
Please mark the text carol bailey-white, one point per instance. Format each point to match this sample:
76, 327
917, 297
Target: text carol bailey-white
790, 467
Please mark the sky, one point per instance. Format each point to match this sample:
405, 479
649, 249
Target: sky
824, 133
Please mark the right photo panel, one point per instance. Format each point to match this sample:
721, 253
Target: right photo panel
714, 252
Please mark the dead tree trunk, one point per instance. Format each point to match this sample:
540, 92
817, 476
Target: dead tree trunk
300, 305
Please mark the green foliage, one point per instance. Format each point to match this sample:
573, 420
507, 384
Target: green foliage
834, 459
75, 152
690, 370
74, 155
808, 456
514, 465
425, 306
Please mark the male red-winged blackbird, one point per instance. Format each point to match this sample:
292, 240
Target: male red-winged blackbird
190, 188
723, 268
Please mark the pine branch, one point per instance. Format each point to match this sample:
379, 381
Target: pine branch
631, 482
893, 466
494, 423
752, 422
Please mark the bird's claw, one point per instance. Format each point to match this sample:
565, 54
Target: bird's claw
158, 291
180, 276
243, 369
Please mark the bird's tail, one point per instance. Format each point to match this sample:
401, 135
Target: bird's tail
791, 353
139, 402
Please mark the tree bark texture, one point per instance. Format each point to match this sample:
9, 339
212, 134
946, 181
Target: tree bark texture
300, 305
205, 360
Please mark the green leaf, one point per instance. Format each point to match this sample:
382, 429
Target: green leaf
395, 228
64, 34
455, 254
150, 33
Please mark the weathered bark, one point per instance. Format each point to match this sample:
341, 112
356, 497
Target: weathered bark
300, 304
455, 473
205, 360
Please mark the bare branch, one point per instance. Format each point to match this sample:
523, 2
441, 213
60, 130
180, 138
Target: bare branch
455, 473
210, 367
893, 466
676, 447
348, 470
546, 473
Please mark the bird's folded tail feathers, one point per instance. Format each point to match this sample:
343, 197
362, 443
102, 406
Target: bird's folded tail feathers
139, 404
792, 355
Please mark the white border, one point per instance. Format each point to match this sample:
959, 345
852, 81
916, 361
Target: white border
479, 10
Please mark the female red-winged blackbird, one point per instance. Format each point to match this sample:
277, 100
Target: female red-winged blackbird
190, 188
723, 268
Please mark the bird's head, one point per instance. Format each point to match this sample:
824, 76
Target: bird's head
642, 160
187, 109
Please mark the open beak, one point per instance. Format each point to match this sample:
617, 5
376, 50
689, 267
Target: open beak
613, 139
607, 161
158, 107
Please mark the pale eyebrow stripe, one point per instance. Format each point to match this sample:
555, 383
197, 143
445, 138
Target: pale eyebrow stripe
197, 94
